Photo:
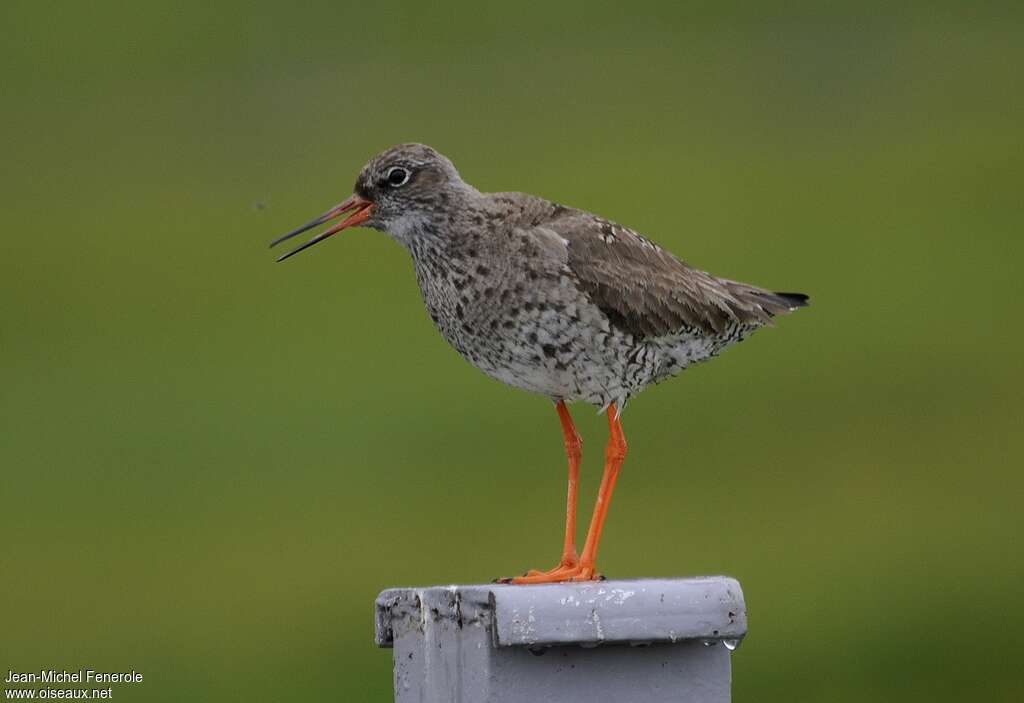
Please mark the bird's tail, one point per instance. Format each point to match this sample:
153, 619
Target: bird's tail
765, 304
794, 300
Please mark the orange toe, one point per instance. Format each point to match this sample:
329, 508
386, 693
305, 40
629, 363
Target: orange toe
575, 572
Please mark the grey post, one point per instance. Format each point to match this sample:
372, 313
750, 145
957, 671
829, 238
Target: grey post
648, 641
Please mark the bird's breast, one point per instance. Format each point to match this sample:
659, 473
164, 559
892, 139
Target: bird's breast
463, 297
516, 320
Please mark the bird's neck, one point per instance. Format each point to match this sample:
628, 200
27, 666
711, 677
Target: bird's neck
435, 230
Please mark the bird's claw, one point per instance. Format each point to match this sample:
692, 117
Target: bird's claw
559, 574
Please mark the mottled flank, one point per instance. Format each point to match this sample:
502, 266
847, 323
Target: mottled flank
549, 298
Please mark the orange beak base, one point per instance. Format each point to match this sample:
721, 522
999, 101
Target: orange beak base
360, 209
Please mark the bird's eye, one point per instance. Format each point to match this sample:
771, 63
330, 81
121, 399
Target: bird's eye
397, 176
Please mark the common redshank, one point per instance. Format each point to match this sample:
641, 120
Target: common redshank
550, 299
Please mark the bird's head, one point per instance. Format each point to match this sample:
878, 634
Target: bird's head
401, 191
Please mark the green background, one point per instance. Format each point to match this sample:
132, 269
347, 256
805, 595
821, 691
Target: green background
211, 463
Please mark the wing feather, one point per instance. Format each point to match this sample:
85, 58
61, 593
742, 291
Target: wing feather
646, 291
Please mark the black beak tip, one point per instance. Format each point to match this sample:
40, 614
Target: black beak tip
299, 230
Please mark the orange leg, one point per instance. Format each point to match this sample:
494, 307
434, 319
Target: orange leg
614, 456
585, 568
574, 452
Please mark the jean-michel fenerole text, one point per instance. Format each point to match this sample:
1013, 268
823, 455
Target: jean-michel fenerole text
80, 676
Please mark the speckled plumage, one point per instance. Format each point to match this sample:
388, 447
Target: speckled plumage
553, 299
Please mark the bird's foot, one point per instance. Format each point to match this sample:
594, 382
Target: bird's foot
568, 570
569, 561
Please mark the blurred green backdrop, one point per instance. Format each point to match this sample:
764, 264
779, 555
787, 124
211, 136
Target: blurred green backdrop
212, 463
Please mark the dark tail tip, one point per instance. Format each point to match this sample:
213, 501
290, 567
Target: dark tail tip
795, 300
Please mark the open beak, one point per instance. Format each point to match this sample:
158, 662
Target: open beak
359, 208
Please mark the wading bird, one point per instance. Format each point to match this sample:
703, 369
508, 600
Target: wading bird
550, 299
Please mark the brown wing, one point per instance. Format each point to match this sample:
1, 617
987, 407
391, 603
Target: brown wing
648, 292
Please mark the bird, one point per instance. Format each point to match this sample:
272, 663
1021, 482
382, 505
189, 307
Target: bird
550, 299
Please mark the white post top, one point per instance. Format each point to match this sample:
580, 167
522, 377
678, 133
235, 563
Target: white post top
635, 612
